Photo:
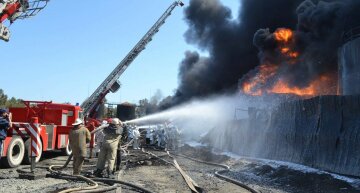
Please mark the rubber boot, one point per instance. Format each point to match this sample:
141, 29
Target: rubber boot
98, 173
110, 174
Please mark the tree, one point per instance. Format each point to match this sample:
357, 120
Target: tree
12, 102
3, 98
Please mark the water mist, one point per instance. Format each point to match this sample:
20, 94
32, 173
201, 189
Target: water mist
197, 117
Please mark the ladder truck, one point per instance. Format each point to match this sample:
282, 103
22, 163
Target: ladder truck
12, 10
111, 83
53, 121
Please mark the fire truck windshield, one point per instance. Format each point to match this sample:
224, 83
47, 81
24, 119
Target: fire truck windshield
80, 115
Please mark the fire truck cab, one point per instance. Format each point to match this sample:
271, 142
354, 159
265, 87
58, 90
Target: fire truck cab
54, 123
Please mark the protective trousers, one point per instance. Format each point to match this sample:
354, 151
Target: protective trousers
107, 155
77, 164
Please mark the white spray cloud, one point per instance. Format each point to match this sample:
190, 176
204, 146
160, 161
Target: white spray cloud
199, 116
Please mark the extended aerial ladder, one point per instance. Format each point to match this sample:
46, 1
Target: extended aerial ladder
17, 9
111, 83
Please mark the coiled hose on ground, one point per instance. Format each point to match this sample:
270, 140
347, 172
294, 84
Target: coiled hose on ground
56, 170
220, 175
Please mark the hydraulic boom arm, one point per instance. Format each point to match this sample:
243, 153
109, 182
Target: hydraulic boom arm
111, 83
17, 9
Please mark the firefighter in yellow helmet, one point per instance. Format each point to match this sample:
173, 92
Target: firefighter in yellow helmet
107, 155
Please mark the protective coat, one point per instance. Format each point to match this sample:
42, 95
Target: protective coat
78, 137
112, 136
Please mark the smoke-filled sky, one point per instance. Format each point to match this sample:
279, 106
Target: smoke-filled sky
229, 43
317, 28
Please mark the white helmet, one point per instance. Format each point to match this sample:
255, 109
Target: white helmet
115, 121
77, 122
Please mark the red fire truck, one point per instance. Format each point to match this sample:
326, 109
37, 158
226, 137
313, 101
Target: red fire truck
53, 121
54, 125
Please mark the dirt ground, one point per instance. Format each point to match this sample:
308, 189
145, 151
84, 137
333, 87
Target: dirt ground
158, 176
162, 177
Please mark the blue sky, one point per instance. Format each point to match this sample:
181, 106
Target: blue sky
69, 48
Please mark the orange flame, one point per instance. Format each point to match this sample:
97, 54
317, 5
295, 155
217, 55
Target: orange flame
293, 54
253, 86
321, 85
267, 80
282, 88
283, 35
285, 50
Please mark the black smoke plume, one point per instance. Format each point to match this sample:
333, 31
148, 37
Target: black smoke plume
230, 42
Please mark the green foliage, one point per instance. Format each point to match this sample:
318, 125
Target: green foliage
12, 102
3, 98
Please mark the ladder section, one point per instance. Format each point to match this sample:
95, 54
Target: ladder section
90, 105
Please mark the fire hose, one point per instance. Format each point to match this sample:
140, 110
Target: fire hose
220, 175
190, 182
105, 180
91, 181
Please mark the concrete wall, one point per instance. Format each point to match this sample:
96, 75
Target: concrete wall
322, 132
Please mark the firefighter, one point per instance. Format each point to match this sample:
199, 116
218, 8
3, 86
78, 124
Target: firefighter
160, 136
136, 135
5, 124
78, 137
168, 137
176, 138
99, 135
112, 136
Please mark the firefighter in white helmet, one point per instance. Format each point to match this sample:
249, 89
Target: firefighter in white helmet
112, 136
78, 137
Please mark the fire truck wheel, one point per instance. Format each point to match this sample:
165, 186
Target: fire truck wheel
27, 159
15, 152
67, 150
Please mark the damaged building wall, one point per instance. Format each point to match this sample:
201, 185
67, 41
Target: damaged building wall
321, 132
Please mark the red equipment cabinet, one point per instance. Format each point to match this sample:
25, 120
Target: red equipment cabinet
54, 122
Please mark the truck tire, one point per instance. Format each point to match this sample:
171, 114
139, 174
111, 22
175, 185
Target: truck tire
15, 152
27, 159
66, 151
